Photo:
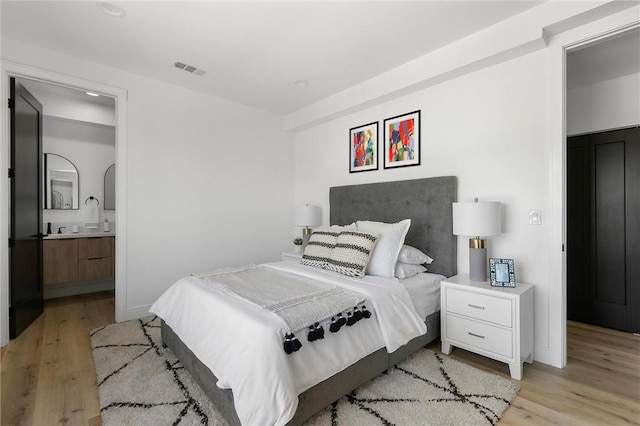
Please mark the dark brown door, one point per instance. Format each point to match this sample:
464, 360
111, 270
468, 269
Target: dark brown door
603, 229
25, 268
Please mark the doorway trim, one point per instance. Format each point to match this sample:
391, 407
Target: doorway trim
12, 69
559, 47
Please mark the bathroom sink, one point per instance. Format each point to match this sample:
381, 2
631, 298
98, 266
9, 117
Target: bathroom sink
80, 235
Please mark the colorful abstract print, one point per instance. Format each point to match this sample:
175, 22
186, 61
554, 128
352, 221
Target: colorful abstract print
363, 148
401, 145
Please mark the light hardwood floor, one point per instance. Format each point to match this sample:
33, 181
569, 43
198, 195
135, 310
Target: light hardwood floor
48, 376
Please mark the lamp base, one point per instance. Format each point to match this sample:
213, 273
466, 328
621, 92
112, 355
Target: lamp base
306, 234
478, 264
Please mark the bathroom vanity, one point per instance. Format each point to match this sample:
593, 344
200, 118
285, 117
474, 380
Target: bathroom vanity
78, 263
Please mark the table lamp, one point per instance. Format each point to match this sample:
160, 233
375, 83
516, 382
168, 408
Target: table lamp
477, 219
307, 216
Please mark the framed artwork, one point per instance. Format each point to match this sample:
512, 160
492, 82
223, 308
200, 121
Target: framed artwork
502, 273
402, 140
363, 148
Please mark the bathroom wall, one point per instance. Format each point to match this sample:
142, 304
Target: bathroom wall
81, 129
91, 148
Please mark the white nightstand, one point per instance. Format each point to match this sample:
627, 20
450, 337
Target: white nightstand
496, 322
291, 255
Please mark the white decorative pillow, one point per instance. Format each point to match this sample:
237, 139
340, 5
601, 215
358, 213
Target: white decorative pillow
351, 253
317, 251
390, 241
413, 256
406, 270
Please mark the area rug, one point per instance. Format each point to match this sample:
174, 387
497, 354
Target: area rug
142, 383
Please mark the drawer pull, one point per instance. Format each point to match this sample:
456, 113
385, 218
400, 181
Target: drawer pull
476, 335
476, 306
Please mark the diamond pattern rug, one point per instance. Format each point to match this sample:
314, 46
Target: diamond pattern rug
142, 383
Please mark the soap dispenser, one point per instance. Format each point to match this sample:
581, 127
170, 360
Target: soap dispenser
105, 226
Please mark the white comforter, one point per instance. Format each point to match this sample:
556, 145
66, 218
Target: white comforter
242, 344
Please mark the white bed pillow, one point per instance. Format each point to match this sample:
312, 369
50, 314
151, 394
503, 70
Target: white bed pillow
390, 241
351, 253
406, 270
337, 228
413, 256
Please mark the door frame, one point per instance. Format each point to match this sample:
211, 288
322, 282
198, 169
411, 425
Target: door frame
559, 46
12, 69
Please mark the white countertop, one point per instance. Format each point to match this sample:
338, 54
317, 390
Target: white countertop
95, 234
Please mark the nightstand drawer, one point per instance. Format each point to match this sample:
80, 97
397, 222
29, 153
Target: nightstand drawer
492, 309
484, 336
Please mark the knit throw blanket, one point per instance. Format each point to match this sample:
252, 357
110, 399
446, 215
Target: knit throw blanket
302, 303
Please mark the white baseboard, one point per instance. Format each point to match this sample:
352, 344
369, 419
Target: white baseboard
541, 354
137, 312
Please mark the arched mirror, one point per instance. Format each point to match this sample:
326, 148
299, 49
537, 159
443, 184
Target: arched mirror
110, 188
60, 183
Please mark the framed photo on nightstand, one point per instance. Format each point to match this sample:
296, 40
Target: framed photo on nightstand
502, 273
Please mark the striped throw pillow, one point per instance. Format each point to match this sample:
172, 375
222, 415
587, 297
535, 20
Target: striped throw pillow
351, 253
319, 248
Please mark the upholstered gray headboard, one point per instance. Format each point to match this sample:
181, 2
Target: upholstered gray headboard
427, 202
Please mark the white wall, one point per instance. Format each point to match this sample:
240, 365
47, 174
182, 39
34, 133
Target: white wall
91, 148
489, 129
493, 110
605, 105
209, 182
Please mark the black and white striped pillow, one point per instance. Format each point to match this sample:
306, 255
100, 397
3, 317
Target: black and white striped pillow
319, 248
351, 253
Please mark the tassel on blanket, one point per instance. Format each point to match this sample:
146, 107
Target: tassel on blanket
335, 325
357, 314
316, 332
365, 312
351, 319
341, 320
291, 343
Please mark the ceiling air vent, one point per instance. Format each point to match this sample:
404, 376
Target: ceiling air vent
189, 68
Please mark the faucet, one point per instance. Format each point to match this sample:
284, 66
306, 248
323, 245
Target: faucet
61, 228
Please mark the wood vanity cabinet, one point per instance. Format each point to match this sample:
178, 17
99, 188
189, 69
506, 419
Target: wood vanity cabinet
77, 259
60, 261
94, 258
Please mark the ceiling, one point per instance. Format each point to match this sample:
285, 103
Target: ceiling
253, 52
71, 95
606, 59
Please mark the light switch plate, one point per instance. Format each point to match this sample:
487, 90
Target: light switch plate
535, 217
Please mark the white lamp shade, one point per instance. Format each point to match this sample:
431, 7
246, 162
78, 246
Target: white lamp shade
476, 219
307, 216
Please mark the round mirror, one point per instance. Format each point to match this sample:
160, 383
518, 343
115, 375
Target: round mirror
60, 183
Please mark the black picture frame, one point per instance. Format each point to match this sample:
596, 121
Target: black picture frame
402, 131
363, 148
502, 272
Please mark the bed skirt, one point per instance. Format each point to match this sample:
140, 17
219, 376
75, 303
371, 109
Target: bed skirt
313, 399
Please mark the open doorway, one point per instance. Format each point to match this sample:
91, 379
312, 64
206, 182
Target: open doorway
79, 227
73, 135
602, 182
18, 71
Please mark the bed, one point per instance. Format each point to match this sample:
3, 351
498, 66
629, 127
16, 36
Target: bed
427, 202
